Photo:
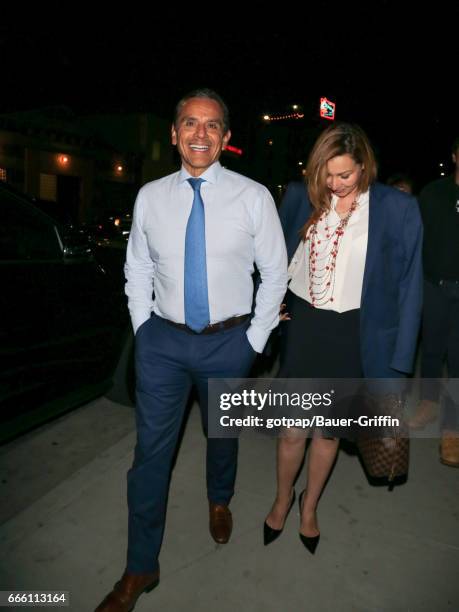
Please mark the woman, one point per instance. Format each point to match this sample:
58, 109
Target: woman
354, 297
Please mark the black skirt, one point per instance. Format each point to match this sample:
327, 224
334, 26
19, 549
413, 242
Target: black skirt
323, 344
319, 343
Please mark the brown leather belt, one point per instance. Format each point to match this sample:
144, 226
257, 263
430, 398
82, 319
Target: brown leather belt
212, 327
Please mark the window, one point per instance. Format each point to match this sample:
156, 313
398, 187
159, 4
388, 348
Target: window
3, 174
48, 187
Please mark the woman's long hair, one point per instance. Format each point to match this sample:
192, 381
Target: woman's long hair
338, 139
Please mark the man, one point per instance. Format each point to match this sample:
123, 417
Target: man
195, 237
439, 202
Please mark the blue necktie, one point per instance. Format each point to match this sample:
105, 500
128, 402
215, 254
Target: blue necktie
196, 297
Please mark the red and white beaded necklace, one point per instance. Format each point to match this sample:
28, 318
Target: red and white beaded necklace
322, 257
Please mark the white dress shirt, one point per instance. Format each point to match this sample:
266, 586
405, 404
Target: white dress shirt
350, 260
242, 228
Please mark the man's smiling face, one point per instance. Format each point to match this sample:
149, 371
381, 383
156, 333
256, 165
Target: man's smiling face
199, 134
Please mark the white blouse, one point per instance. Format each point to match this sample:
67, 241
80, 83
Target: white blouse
350, 259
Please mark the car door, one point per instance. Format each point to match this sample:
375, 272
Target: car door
92, 317
30, 269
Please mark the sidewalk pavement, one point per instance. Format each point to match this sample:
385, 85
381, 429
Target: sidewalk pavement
65, 527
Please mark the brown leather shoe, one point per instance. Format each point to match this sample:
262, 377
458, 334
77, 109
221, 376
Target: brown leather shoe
426, 412
449, 448
127, 591
220, 522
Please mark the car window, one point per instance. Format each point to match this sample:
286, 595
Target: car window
25, 233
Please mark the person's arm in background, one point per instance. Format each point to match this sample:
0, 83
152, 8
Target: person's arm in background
294, 211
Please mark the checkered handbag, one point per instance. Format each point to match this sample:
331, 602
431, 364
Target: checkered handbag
387, 456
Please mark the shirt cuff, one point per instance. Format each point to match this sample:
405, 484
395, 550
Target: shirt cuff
258, 338
137, 318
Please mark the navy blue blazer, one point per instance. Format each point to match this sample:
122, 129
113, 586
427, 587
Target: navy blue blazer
391, 303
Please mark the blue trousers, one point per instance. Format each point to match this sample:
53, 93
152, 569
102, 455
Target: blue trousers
168, 362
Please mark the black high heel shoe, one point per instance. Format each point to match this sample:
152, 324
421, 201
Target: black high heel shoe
270, 534
309, 542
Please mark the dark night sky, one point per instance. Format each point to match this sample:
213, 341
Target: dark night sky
383, 66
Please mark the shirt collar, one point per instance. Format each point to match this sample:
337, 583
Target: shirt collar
210, 175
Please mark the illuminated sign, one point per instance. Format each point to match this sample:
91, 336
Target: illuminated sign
234, 150
327, 109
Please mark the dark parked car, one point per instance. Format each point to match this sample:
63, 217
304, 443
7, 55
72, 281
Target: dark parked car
112, 230
64, 321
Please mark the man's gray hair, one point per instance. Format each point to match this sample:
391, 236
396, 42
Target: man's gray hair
209, 94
